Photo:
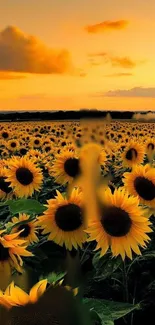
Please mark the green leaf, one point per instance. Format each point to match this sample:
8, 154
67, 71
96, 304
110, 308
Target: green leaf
2, 204
95, 318
25, 206
55, 277
102, 311
119, 309
116, 309
105, 266
148, 255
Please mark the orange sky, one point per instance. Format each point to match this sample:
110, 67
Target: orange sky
69, 54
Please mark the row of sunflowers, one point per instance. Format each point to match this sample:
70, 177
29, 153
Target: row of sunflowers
77, 208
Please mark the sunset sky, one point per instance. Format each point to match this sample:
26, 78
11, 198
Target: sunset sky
72, 54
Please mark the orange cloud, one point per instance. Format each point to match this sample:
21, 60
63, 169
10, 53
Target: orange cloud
4, 75
124, 62
106, 25
83, 74
133, 92
116, 61
25, 53
121, 74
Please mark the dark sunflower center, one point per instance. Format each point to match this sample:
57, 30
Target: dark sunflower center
47, 149
72, 167
24, 176
23, 151
26, 230
145, 188
116, 221
5, 135
4, 253
13, 144
68, 217
4, 186
150, 146
131, 154
36, 141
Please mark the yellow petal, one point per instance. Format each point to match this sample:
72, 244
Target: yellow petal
37, 290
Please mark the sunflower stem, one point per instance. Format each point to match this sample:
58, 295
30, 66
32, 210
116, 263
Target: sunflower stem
6, 221
84, 253
36, 195
134, 300
125, 282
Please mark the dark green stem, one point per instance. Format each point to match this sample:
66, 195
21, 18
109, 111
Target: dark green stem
125, 282
84, 253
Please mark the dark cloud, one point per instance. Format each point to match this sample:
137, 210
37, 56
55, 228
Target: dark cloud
25, 53
133, 92
106, 26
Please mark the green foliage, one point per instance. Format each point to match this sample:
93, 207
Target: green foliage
96, 320
101, 310
109, 311
28, 206
105, 266
54, 277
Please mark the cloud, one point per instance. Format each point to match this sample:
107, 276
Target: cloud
116, 61
133, 92
105, 26
121, 74
25, 53
124, 62
83, 74
10, 76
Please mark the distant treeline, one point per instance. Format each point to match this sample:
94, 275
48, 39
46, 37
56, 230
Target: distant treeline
63, 115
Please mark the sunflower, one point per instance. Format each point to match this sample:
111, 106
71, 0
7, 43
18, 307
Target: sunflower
133, 154
47, 148
44, 304
121, 224
53, 139
150, 148
66, 167
141, 182
70, 146
24, 176
34, 155
23, 150
6, 191
3, 163
64, 220
5, 153
13, 145
36, 142
28, 228
4, 134
11, 250
15, 296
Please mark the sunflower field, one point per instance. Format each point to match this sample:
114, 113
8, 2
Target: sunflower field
77, 206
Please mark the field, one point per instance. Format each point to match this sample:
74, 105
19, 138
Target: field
77, 204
